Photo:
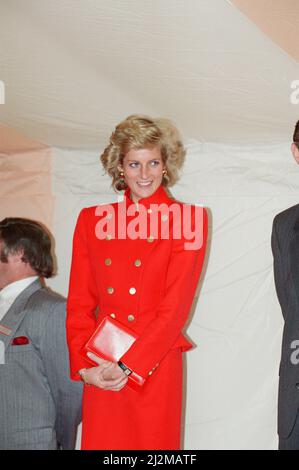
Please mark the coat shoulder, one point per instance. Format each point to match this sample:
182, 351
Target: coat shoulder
195, 210
45, 294
289, 214
88, 213
192, 206
44, 301
43, 305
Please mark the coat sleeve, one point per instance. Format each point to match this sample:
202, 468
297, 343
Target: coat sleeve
67, 394
82, 299
278, 264
160, 335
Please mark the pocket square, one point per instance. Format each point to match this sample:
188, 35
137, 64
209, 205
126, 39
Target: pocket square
20, 341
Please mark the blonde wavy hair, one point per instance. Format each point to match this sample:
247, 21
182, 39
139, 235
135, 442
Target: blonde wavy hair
137, 132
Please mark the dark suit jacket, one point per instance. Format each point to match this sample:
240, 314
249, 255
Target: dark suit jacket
40, 407
285, 247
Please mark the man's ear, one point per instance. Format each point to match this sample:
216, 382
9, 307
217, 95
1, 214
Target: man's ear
295, 152
17, 257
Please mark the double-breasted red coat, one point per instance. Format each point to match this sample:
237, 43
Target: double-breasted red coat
147, 283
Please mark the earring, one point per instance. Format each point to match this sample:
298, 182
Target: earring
122, 179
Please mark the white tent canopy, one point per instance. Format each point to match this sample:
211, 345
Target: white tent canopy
72, 70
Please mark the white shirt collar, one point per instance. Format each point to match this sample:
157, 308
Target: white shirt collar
12, 290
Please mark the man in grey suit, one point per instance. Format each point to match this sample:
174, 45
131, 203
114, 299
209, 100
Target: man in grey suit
285, 247
40, 407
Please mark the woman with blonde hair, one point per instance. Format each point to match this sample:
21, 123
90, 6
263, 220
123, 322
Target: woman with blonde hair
142, 271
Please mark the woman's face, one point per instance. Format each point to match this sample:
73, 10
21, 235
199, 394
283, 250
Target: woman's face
143, 171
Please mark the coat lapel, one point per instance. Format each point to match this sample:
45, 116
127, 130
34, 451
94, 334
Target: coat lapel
12, 319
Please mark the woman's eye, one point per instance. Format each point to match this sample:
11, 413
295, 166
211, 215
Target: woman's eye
136, 164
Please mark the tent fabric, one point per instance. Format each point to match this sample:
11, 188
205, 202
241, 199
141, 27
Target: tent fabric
279, 20
72, 71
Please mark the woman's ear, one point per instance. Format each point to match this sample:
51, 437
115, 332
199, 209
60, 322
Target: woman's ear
295, 152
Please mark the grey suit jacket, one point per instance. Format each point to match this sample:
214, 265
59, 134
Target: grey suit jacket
285, 247
40, 407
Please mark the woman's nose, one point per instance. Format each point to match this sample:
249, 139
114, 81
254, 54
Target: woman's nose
144, 172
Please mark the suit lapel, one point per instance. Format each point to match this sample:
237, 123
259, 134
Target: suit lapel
12, 319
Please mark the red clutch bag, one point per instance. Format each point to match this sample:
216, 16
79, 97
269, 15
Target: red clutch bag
110, 341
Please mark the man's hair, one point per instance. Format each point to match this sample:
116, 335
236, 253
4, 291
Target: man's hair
296, 135
29, 238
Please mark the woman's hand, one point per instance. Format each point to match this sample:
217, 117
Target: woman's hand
107, 375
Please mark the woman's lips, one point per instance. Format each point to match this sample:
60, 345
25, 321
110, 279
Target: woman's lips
144, 185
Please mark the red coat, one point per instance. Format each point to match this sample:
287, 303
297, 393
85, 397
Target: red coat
148, 285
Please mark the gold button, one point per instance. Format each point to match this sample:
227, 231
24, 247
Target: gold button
137, 262
108, 261
112, 315
149, 211
131, 317
150, 372
110, 290
150, 239
109, 216
164, 217
108, 236
132, 290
